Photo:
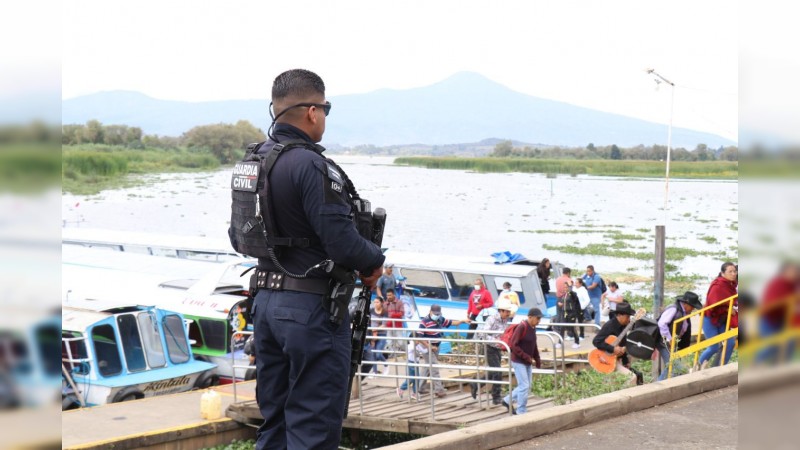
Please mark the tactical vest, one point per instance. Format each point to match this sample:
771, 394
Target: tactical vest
253, 231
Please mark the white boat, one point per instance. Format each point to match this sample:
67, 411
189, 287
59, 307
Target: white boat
173, 246
128, 354
30, 376
447, 281
212, 297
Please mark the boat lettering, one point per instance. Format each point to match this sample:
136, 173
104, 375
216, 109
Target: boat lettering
158, 386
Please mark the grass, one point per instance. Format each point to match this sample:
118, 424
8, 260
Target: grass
619, 249
89, 169
29, 167
577, 385
647, 169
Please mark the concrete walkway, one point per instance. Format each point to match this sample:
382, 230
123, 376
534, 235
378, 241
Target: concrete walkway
705, 421
579, 414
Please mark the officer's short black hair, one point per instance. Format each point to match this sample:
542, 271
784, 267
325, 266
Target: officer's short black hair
297, 82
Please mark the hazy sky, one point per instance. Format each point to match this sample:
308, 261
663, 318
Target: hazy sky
588, 53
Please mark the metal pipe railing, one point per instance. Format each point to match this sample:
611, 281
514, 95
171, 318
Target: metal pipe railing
554, 338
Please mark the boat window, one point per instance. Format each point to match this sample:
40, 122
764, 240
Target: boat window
14, 353
131, 343
195, 334
462, 284
151, 338
426, 283
175, 334
105, 348
74, 350
214, 332
516, 286
47, 338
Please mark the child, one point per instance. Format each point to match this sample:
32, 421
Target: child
412, 352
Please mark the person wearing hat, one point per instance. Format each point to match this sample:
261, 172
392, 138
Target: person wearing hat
434, 320
524, 354
387, 282
683, 305
497, 322
614, 328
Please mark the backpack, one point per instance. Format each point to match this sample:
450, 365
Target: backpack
603, 288
506, 336
572, 306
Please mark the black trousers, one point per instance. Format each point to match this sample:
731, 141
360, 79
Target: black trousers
574, 330
303, 366
473, 325
493, 360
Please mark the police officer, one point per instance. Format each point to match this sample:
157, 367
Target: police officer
302, 357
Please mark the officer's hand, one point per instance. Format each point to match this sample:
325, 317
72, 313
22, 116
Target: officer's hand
371, 279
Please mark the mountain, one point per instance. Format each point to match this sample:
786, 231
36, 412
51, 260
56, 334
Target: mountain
466, 107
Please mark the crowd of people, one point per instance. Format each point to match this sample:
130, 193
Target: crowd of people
584, 299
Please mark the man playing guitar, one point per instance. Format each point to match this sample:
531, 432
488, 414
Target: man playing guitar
613, 328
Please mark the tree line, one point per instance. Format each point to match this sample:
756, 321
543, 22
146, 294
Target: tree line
640, 152
224, 141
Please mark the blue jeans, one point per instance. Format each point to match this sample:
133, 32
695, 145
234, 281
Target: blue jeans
520, 393
378, 356
710, 330
595, 301
781, 352
412, 371
663, 352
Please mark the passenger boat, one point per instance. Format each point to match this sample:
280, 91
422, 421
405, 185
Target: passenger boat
212, 298
127, 353
173, 246
447, 281
29, 375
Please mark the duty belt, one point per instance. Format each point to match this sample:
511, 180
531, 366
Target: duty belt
278, 281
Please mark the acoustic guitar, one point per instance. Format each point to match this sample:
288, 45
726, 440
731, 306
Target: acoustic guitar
605, 362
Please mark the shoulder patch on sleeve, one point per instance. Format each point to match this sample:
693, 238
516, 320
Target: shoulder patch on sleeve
333, 183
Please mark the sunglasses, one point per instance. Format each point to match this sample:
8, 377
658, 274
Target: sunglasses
326, 107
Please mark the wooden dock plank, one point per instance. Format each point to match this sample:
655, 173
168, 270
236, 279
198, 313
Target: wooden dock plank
384, 411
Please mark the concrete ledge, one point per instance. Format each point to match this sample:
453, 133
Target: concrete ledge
537, 423
753, 381
200, 435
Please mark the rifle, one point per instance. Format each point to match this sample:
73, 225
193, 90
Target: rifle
361, 317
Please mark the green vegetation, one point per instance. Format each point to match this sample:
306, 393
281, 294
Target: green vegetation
621, 168
235, 445
97, 156
619, 249
709, 239
29, 167
90, 168
577, 385
29, 158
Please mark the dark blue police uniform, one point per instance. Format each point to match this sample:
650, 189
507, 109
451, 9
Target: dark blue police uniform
302, 359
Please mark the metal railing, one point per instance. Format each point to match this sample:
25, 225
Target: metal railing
408, 335
702, 344
71, 360
776, 344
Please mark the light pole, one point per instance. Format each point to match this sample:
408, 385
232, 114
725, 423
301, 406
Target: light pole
660, 247
659, 78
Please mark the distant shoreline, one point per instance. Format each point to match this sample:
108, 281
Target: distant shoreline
720, 170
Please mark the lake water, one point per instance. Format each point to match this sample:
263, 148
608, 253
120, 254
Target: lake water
464, 213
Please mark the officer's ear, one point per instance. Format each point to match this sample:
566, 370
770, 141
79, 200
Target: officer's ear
311, 115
